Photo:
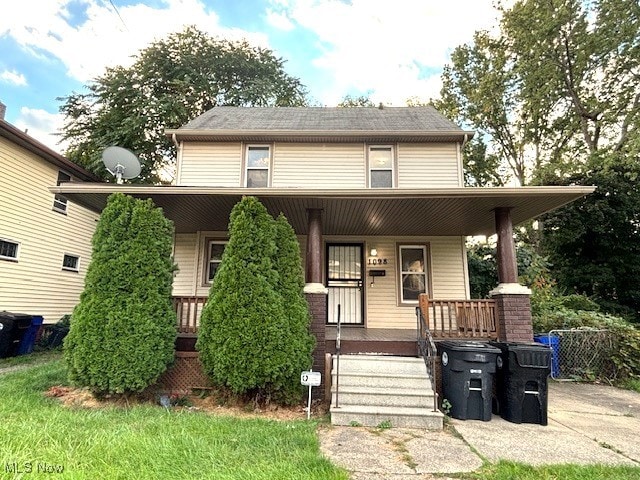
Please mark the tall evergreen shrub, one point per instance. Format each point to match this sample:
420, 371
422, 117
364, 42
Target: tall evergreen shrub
123, 330
247, 339
288, 264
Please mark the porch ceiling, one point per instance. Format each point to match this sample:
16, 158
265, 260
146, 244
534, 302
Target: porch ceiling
452, 211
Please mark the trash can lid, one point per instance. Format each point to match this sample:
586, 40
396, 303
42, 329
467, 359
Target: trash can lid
14, 316
468, 346
519, 346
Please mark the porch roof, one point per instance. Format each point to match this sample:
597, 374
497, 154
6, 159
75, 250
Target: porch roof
450, 211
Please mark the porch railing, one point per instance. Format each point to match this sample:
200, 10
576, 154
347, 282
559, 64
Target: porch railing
460, 318
427, 350
188, 310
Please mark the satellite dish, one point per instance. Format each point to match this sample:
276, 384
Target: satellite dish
121, 163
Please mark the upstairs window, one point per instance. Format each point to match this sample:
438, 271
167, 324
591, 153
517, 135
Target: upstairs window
60, 202
215, 249
71, 263
381, 167
9, 250
258, 163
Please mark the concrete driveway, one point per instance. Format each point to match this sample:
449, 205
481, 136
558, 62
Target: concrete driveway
588, 424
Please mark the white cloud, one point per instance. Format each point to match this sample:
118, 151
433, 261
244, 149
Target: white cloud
103, 39
39, 124
279, 20
395, 49
13, 77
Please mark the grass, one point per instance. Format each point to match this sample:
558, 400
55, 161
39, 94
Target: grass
510, 470
142, 442
632, 384
35, 357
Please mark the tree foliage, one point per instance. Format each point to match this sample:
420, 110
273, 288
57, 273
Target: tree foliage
356, 101
170, 82
124, 328
594, 243
558, 82
254, 335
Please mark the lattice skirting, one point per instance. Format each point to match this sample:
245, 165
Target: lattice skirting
185, 374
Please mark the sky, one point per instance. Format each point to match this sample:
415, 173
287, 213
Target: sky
389, 50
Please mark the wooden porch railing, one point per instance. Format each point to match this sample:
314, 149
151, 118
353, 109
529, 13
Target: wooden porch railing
460, 318
188, 310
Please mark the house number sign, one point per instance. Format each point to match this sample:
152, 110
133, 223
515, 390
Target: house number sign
377, 261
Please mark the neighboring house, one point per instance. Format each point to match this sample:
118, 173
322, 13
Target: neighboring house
376, 196
45, 240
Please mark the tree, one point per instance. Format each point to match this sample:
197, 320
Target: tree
559, 82
251, 337
123, 330
594, 243
359, 101
171, 82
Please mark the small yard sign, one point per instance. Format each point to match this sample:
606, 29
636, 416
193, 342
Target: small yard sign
311, 379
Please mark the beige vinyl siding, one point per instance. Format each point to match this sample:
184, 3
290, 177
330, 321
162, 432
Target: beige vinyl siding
448, 279
36, 284
185, 256
428, 165
317, 165
210, 164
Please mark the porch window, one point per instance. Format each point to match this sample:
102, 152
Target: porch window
215, 249
9, 250
413, 272
258, 163
381, 167
60, 202
71, 263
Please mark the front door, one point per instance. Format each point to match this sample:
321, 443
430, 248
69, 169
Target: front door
345, 281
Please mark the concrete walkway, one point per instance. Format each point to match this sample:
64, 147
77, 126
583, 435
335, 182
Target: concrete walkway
588, 424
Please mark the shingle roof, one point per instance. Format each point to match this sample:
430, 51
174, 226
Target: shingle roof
323, 119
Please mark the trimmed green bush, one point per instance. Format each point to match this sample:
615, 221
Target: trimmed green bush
251, 335
123, 330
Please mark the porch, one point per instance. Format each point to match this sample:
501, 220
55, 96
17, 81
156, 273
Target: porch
445, 319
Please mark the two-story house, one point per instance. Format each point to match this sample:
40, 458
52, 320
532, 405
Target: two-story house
45, 239
377, 199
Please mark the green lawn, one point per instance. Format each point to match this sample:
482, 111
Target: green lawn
144, 441
516, 471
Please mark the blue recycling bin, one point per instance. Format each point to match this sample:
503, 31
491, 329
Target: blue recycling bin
29, 338
552, 341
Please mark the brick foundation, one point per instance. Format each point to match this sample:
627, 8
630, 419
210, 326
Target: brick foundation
514, 317
318, 309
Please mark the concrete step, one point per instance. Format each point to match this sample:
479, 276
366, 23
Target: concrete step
377, 389
373, 416
381, 364
382, 380
391, 397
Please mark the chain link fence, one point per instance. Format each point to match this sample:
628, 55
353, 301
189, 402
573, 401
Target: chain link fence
580, 354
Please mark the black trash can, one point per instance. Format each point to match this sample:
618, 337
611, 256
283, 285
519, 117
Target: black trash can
467, 378
521, 382
14, 326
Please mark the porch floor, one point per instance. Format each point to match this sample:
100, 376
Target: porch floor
371, 334
390, 341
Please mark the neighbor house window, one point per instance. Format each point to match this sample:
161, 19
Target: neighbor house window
9, 250
381, 167
413, 272
60, 202
258, 163
71, 263
215, 249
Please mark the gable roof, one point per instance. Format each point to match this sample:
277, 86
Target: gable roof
29, 143
322, 124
